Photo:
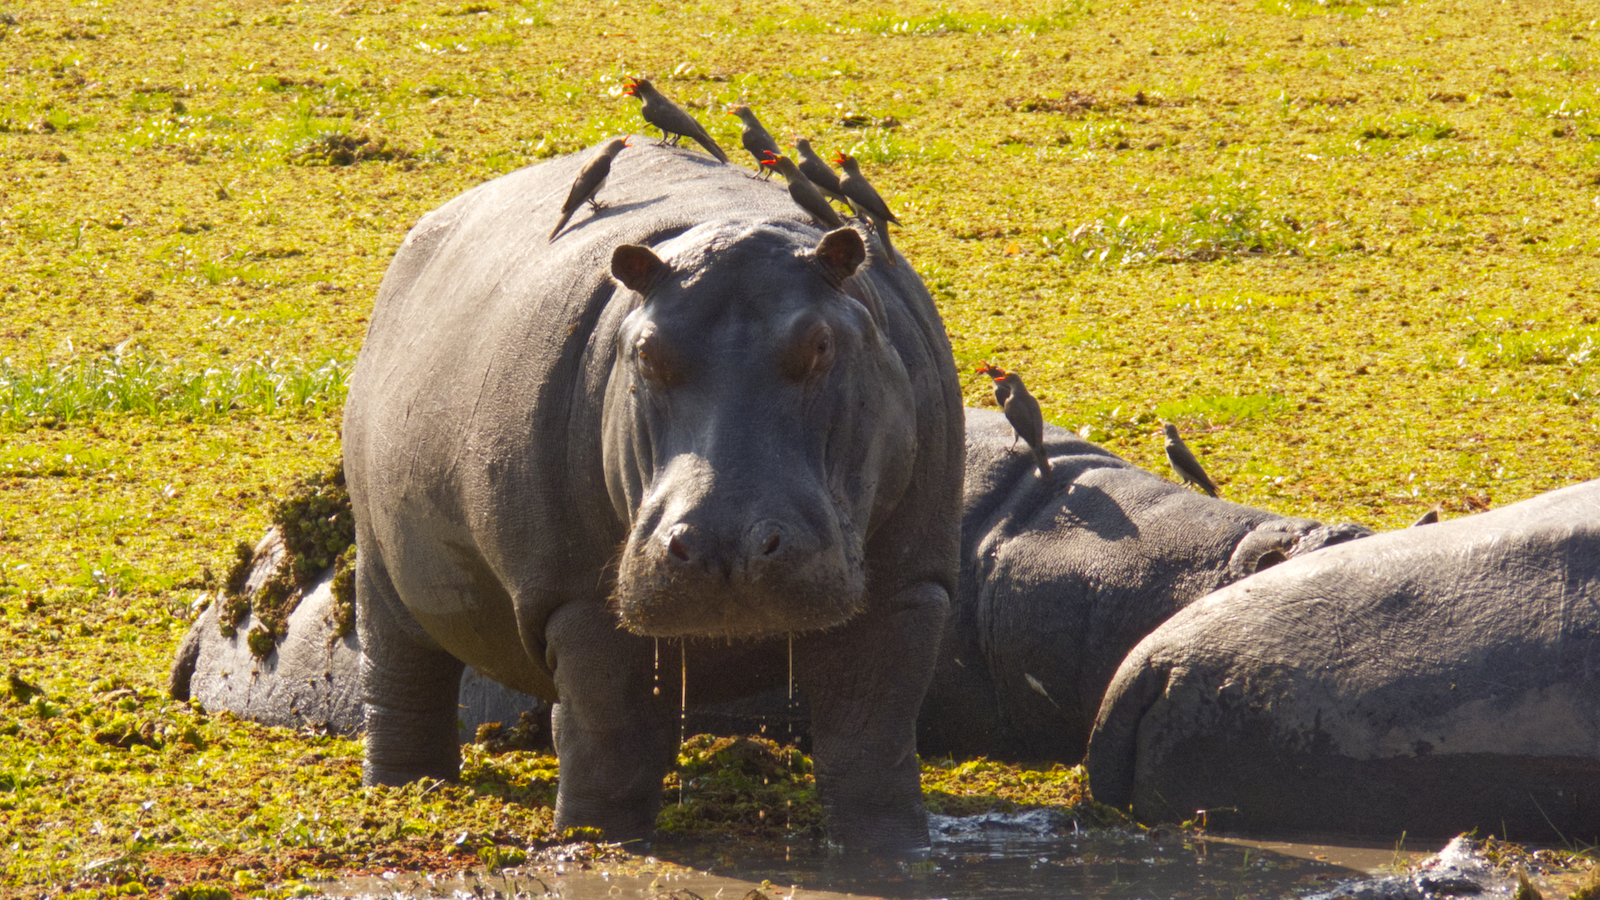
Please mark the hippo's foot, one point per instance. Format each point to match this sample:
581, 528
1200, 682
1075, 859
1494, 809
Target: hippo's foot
865, 682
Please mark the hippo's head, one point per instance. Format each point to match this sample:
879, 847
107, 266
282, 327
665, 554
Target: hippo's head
758, 423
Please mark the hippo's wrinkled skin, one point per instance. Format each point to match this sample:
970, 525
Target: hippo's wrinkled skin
556, 475
1431, 680
1061, 577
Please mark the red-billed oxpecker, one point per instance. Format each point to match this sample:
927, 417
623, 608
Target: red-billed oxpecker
805, 194
1022, 411
674, 123
755, 138
591, 178
821, 174
1183, 462
864, 197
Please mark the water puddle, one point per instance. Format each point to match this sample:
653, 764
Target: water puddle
974, 858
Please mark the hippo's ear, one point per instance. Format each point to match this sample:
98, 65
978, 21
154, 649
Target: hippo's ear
839, 253
637, 268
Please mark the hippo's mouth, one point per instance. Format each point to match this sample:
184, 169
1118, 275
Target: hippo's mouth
653, 598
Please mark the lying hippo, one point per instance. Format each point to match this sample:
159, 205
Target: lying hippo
1431, 681
692, 426
1061, 577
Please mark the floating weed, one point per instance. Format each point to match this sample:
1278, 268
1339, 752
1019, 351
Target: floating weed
1220, 409
980, 785
950, 21
142, 384
1237, 301
1401, 125
886, 147
1303, 8
108, 575
1230, 222
1573, 346
748, 787
945, 21
1580, 104
63, 460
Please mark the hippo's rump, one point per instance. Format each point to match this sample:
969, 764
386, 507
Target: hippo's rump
1432, 680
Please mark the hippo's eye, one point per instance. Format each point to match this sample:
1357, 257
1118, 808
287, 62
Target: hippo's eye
812, 353
655, 361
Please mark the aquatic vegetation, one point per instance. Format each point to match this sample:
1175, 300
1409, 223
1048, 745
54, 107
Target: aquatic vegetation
1330, 223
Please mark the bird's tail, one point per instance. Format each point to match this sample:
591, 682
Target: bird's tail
888, 253
560, 225
1043, 460
712, 148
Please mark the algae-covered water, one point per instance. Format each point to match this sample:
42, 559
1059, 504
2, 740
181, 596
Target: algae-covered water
996, 859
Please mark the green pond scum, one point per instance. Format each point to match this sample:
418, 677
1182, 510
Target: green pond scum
1351, 246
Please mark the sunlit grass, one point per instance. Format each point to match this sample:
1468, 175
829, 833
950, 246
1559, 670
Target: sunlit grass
1229, 221
141, 384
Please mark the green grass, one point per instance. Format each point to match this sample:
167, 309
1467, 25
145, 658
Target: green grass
1352, 247
80, 389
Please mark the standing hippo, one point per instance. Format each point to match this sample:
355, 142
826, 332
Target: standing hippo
692, 434
1431, 681
1061, 577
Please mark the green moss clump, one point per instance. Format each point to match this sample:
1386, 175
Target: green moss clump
318, 530
344, 593
335, 148
316, 523
980, 785
745, 787
526, 734
235, 605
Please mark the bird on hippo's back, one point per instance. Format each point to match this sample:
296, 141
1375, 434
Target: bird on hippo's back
674, 123
1022, 411
804, 193
814, 167
866, 200
755, 138
1184, 463
591, 178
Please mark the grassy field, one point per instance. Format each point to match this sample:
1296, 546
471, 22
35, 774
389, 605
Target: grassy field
1351, 246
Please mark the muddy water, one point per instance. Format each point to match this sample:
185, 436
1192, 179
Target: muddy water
990, 864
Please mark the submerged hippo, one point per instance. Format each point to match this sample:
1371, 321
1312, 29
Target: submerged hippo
311, 678
1432, 680
1061, 577
693, 433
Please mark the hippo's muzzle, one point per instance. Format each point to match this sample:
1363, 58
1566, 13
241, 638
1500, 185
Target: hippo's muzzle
742, 565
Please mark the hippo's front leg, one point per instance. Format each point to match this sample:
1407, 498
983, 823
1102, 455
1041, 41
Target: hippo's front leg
865, 683
615, 739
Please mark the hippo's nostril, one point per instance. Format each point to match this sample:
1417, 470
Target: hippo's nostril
772, 544
677, 550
